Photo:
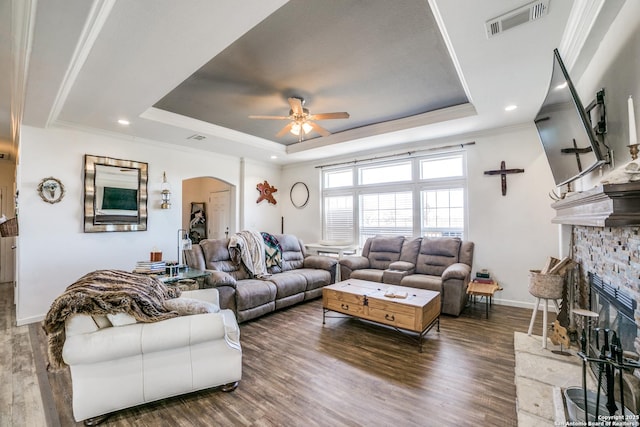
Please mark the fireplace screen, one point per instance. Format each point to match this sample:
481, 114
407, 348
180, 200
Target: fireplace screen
615, 311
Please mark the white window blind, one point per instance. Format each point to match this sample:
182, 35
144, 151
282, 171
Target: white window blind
338, 218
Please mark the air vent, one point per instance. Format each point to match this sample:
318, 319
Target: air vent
527, 13
197, 137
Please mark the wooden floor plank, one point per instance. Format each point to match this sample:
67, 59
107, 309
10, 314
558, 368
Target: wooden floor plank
299, 372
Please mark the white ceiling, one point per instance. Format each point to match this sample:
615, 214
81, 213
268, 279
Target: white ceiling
92, 63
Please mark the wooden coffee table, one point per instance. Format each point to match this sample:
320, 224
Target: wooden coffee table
418, 312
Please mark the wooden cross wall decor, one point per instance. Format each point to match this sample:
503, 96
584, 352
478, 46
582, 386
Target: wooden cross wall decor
503, 171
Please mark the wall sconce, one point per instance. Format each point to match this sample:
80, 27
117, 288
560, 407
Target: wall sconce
633, 136
166, 192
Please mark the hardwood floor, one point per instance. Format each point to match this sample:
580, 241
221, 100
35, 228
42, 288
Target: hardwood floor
20, 401
297, 372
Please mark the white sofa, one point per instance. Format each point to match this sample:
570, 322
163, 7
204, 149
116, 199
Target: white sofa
116, 367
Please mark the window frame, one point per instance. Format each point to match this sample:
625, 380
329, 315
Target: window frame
416, 185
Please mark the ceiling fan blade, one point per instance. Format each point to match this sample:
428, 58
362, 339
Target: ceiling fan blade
284, 130
322, 131
327, 116
296, 106
271, 117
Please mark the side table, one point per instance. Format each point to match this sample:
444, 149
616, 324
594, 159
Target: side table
188, 274
486, 290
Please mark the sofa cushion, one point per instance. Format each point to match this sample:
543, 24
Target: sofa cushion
292, 253
315, 278
423, 281
288, 283
252, 293
189, 306
384, 250
80, 324
217, 257
121, 319
437, 254
102, 321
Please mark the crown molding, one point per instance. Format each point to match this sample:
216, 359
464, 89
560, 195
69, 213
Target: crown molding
23, 17
98, 15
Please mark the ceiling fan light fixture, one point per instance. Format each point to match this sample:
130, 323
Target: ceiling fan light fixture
306, 127
295, 129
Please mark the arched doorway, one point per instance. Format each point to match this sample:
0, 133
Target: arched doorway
208, 208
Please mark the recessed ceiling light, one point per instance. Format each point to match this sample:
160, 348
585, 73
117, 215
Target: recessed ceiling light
124, 122
510, 107
273, 157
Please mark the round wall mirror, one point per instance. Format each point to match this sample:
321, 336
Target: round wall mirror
51, 190
299, 194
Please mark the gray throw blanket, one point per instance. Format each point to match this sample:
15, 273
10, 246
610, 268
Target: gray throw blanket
248, 247
106, 292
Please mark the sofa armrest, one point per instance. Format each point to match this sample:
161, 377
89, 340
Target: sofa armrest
351, 263
355, 262
456, 271
220, 278
402, 266
320, 262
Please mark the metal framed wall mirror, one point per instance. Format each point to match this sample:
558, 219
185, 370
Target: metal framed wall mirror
115, 194
51, 190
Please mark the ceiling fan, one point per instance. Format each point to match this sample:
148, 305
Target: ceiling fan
301, 121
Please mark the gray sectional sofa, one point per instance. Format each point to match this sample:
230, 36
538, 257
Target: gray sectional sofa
438, 264
300, 278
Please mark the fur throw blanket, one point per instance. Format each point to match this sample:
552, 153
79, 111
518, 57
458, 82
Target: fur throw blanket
106, 292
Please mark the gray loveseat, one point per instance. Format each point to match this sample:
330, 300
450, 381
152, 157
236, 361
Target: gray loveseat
300, 278
438, 264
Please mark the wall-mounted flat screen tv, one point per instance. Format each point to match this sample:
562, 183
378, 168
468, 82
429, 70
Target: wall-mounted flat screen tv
565, 130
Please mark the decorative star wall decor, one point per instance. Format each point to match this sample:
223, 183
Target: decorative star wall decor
266, 193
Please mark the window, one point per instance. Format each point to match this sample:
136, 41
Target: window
386, 173
422, 196
442, 212
386, 213
340, 178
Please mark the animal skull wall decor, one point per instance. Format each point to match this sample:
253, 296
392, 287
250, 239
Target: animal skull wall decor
266, 193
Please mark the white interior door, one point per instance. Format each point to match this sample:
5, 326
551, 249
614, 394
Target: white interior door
7, 253
219, 214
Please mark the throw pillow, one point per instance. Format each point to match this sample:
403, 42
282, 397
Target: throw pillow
121, 319
101, 321
188, 306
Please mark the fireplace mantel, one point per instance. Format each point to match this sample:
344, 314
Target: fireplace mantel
607, 205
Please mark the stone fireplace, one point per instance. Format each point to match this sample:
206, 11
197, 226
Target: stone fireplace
605, 242
611, 255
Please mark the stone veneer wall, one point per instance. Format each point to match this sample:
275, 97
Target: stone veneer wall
613, 253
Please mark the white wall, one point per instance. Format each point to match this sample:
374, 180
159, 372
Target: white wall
53, 250
512, 233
